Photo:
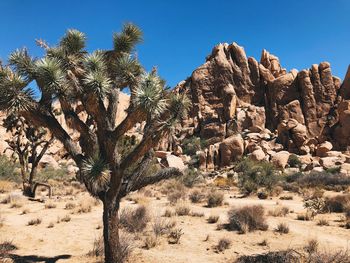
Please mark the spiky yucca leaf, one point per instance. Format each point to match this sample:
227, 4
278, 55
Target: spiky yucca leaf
96, 174
95, 61
149, 95
98, 83
14, 100
127, 69
73, 42
50, 74
127, 39
23, 63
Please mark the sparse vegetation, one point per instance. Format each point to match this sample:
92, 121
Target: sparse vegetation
169, 213
134, 219
294, 161
193, 144
66, 218
182, 210
50, 205
70, 205
150, 241
34, 222
247, 219
338, 203
307, 216
282, 228
254, 175
322, 222
196, 196
214, 198
162, 227
279, 211
6, 246
213, 219
223, 244
175, 235
50, 225
175, 191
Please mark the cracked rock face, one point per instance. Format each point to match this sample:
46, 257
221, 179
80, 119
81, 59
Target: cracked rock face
233, 93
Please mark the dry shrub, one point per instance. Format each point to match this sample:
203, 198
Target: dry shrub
162, 227
223, 244
6, 246
97, 248
286, 256
34, 222
338, 203
85, 206
6, 186
282, 228
50, 205
214, 198
311, 246
286, 197
175, 191
182, 210
14, 200
279, 211
247, 219
51, 225
196, 196
307, 216
197, 214
224, 182
168, 213
70, 205
66, 218
150, 242
25, 211
175, 235
213, 219
68, 191
134, 220
322, 222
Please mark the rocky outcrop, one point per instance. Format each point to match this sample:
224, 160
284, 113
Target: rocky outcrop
235, 94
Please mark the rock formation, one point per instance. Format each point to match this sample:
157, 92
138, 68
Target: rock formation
299, 111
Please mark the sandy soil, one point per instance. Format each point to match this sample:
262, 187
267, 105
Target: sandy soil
71, 241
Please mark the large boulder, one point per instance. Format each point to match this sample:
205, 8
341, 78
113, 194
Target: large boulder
174, 161
280, 159
231, 149
323, 148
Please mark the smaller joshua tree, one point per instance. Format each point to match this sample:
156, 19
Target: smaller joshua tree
28, 145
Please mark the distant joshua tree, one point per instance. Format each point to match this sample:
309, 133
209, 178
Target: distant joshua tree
28, 144
92, 81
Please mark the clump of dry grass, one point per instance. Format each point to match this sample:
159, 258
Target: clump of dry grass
34, 222
196, 196
196, 214
66, 218
286, 197
50, 205
175, 191
279, 211
70, 205
150, 241
307, 216
14, 200
223, 244
161, 226
311, 246
213, 219
134, 220
214, 198
323, 222
182, 210
247, 219
84, 206
6, 186
338, 203
50, 225
282, 228
5, 247
168, 213
175, 235
25, 211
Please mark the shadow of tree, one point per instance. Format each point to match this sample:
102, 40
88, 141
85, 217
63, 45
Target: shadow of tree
33, 258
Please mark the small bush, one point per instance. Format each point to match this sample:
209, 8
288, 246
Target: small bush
134, 220
311, 246
150, 241
168, 213
254, 175
7, 170
324, 180
174, 190
70, 205
51, 225
97, 249
279, 211
282, 228
294, 161
50, 205
84, 207
286, 197
182, 210
338, 203
263, 194
196, 214
322, 222
5, 247
213, 219
215, 199
193, 144
34, 222
175, 235
223, 244
66, 218
190, 177
307, 216
315, 205
162, 227
247, 219
196, 196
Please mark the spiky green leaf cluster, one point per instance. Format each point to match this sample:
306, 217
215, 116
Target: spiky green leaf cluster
96, 174
149, 95
73, 42
127, 39
23, 63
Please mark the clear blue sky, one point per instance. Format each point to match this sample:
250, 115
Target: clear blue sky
178, 34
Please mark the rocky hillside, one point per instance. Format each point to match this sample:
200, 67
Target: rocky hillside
241, 106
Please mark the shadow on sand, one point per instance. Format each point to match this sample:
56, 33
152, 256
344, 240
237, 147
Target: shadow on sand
32, 258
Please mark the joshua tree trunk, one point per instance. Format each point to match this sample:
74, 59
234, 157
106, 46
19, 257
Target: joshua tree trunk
110, 232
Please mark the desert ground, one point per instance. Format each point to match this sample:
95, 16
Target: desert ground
70, 222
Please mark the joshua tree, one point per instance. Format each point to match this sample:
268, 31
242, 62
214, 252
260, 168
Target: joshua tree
78, 80
28, 144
